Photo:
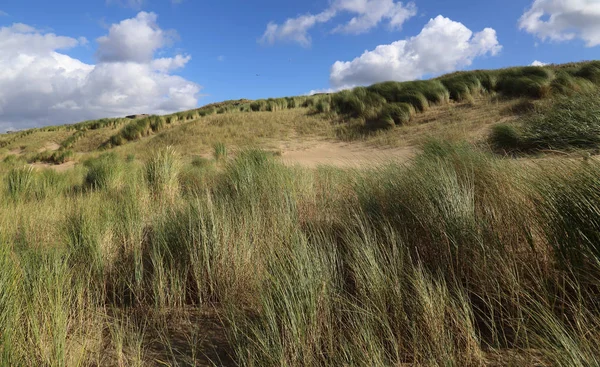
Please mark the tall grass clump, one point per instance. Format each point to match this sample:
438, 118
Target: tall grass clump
295, 324
104, 172
347, 103
52, 311
259, 105
570, 204
197, 257
359, 102
277, 104
84, 237
11, 278
19, 182
415, 99
219, 151
50, 184
462, 86
569, 123
242, 176
57, 157
71, 140
380, 122
390, 115
529, 81
323, 106
433, 90
506, 138
401, 113
590, 71
162, 173
142, 127
567, 84
412, 93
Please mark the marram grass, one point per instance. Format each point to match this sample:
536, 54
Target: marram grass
456, 258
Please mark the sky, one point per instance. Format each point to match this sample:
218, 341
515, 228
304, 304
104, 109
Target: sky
71, 60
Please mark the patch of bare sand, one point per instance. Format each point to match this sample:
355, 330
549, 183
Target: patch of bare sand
57, 167
49, 147
345, 155
15, 151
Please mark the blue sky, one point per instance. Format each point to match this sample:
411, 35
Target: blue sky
231, 49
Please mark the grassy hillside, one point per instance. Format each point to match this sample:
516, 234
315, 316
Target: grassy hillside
184, 240
358, 114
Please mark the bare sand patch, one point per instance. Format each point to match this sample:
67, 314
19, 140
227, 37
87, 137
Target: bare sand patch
347, 155
57, 167
49, 147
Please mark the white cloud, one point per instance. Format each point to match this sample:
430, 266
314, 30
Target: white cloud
168, 64
39, 85
295, 29
442, 46
328, 90
3, 13
221, 58
538, 63
564, 20
21, 38
135, 39
368, 14
372, 12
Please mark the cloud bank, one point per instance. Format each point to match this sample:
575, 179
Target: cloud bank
40, 85
442, 46
367, 15
564, 20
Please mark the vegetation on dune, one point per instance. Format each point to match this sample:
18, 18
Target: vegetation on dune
362, 103
589, 71
103, 172
53, 157
463, 86
529, 82
568, 123
457, 258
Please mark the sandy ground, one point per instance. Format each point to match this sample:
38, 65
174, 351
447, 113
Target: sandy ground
306, 153
57, 167
15, 151
49, 147
346, 155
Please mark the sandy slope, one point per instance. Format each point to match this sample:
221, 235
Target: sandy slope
336, 154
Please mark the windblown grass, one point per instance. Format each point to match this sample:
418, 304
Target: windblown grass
456, 258
568, 123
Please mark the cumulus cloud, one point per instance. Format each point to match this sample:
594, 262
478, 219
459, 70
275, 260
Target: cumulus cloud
372, 12
295, 29
167, 64
368, 14
40, 85
563, 20
135, 39
442, 46
538, 63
